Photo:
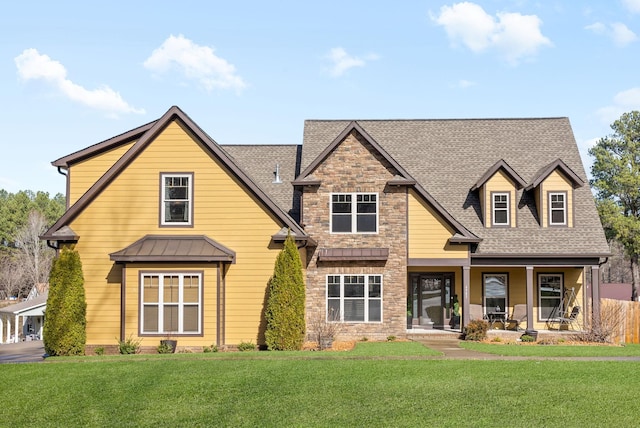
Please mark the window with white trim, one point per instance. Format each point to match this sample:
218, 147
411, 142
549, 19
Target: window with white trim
354, 213
354, 298
170, 303
500, 209
496, 290
176, 194
557, 209
550, 292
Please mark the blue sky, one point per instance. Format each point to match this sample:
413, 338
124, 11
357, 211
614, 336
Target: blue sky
76, 73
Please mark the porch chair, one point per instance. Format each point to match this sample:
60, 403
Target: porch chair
476, 312
518, 315
570, 320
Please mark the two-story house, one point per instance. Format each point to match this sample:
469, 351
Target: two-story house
178, 235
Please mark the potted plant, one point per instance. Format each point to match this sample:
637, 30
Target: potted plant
168, 345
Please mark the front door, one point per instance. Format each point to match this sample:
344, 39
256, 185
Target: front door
431, 297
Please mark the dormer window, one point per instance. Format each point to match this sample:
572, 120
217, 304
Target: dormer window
176, 200
500, 209
557, 208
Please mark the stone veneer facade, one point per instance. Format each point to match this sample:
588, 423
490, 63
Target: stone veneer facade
355, 166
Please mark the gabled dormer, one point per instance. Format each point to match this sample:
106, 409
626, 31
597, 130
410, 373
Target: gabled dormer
553, 188
498, 189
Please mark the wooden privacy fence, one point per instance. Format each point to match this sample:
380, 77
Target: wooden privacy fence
629, 325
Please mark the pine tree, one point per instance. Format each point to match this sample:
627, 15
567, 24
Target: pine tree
65, 318
286, 299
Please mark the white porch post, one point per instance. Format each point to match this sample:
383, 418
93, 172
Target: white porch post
41, 326
1, 329
8, 330
16, 336
529, 297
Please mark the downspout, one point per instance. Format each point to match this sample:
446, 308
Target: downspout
66, 175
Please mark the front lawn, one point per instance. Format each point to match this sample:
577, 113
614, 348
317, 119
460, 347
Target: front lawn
538, 350
377, 384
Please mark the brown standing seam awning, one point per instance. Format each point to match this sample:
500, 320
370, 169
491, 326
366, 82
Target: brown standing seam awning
352, 254
179, 248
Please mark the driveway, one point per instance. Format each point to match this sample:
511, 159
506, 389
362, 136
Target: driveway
22, 352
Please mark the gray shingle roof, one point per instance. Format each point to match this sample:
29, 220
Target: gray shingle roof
259, 161
447, 157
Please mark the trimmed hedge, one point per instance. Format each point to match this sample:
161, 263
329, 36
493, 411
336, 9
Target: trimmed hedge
65, 318
285, 301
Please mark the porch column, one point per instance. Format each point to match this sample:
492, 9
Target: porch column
595, 294
529, 297
1, 330
8, 330
16, 336
466, 279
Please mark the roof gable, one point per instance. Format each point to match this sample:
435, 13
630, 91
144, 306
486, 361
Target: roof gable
559, 165
402, 178
156, 128
500, 165
447, 157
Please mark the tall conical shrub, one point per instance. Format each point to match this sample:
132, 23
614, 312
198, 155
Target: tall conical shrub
65, 318
286, 299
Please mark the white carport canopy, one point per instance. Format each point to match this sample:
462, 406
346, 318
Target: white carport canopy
29, 308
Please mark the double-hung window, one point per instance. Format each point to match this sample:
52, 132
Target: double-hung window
176, 199
500, 209
171, 303
354, 213
550, 294
557, 209
354, 298
496, 289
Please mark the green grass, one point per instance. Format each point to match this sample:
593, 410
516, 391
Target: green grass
376, 385
536, 350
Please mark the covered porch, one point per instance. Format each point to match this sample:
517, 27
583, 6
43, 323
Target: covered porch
541, 295
24, 320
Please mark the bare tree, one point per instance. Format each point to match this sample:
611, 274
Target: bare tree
12, 281
33, 254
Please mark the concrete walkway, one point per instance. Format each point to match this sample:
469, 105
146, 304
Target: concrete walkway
22, 352
451, 349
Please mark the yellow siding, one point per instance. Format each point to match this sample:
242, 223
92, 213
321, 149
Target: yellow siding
87, 172
556, 182
129, 209
499, 183
428, 233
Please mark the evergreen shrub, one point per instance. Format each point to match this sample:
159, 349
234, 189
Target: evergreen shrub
65, 318
284, 313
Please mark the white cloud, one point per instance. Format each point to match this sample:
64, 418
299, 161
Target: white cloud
342, 61
632, 5
463, 84
195, 62
618, 32
35, 66
623, 102
514, 36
